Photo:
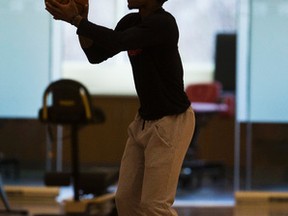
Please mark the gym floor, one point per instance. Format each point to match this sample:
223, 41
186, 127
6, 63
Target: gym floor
211, 199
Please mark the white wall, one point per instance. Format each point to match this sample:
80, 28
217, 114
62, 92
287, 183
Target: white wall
116, 79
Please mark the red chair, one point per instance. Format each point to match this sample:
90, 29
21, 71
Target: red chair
229, 100
204, 92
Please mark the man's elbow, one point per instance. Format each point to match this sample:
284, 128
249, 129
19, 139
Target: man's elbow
95, 60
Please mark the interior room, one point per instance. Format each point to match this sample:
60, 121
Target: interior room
234, 56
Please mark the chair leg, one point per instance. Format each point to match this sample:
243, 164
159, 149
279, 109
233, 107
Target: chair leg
4, 196
75, 161
6, 204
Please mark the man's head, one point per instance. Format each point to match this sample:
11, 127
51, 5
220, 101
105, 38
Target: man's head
162, 1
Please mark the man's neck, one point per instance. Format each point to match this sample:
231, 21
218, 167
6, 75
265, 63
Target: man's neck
149, 9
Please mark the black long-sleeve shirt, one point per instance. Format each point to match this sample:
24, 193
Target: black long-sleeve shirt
152, 46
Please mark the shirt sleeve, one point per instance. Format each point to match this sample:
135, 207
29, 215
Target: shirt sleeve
152, 31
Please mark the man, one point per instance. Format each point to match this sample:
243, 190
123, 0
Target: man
163, 127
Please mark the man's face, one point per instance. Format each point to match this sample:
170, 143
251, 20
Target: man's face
136, 4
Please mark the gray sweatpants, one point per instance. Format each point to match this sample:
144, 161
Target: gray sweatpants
151, 164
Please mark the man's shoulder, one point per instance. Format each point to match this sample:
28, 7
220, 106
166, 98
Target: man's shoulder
161, 17
128, 20
162, 20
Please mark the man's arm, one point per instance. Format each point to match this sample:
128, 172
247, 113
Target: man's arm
94, 53
154, 31
69, 13
85, 42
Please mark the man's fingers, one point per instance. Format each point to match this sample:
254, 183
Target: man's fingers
52, 10
61, 11
53, 6
54, 3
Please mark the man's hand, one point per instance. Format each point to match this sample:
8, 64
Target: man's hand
85, 11
65, 12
